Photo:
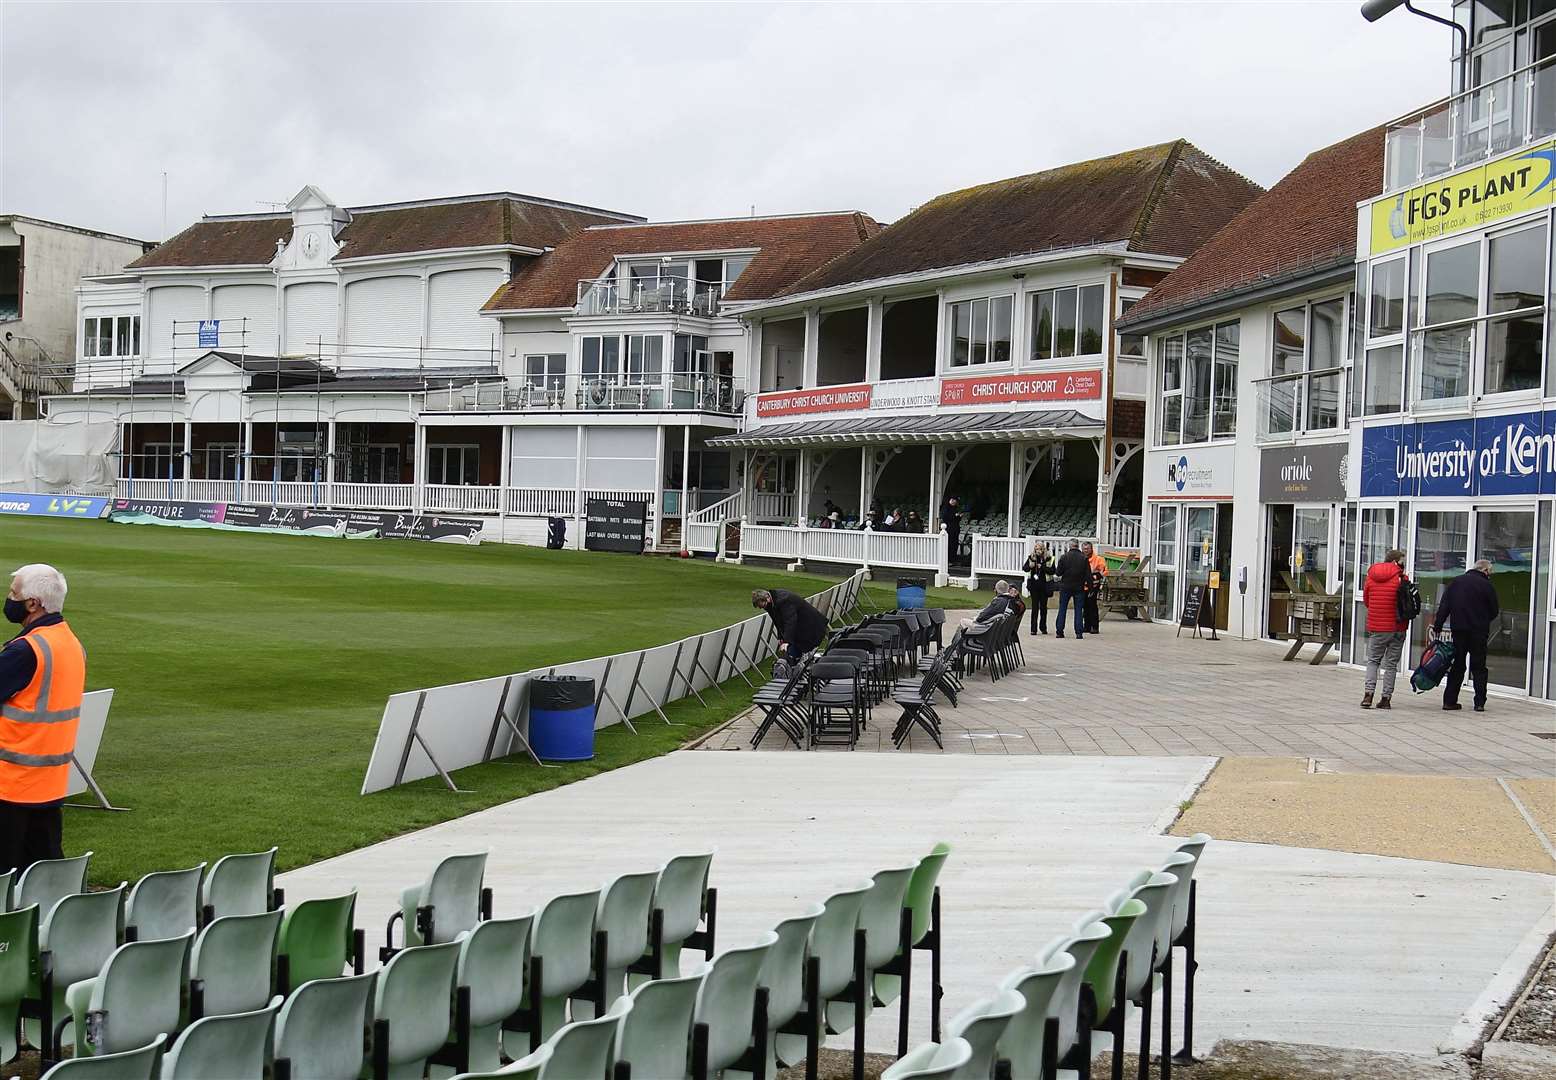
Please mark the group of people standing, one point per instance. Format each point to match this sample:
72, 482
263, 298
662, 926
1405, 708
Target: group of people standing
1077, 576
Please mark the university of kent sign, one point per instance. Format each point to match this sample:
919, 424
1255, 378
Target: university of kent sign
974, 390
1511, 454
1465, 199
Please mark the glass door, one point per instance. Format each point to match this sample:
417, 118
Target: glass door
1310, 550
1199, 545
1278, 580
1506, 537
1441, 540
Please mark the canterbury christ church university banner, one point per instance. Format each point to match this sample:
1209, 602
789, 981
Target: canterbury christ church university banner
1511, 454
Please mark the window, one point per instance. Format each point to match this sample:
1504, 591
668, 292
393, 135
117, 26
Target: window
1068, 322
1377, 536
645, 359
372, 463
734, 267
157, 461
1199, 384
1386, 315
111, 336
218, 461
1166, 559
453, 464
601, 360
980, 331
1452, 296
545, 371
1515, 295
1131, 346
1307, 358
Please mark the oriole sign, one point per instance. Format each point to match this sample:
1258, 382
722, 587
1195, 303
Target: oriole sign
1474, 196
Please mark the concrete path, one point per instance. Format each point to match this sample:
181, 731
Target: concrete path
1297, 945
1137, 689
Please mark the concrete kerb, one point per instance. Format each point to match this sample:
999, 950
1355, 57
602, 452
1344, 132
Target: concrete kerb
1475, 1026
1170, 815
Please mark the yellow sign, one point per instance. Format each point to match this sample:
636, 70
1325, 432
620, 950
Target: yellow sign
1215, 579
1475, 196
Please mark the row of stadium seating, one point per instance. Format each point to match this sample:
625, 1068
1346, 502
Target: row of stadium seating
253, 988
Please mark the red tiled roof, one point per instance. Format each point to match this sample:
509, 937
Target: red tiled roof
1164, 199
788, 249
479, 221
1306, 222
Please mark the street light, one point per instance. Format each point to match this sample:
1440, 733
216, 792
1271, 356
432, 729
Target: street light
1373, 10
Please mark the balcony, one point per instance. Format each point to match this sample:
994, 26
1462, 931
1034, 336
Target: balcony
1301, 403
1471, 127
630, 392
664, 296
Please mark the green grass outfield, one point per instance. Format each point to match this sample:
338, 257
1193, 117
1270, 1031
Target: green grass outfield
250, 672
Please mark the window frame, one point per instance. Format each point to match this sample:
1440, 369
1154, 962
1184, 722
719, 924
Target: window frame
1303, 378
1079, 291
92, 328
546, 378
987, 312
1220, 369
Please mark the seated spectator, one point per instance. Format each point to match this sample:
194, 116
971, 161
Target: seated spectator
915, 522
996, 607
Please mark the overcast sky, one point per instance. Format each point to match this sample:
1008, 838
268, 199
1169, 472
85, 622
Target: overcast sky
667, 110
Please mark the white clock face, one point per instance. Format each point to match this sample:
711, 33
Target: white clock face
311, 244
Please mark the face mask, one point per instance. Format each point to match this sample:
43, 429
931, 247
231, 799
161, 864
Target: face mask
15, 611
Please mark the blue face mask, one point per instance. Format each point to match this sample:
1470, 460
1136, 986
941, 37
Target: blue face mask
15, 610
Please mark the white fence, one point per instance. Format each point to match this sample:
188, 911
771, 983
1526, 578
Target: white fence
1006, 554
851, 547
436, 731
1124, 531
463, 498
769, 505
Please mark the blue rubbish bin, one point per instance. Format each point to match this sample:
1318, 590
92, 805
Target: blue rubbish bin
561, 718
910, 592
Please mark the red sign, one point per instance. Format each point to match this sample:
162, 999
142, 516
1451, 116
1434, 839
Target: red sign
820, 400
1003, 389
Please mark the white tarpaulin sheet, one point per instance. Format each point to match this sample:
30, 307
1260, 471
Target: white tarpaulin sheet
36, 455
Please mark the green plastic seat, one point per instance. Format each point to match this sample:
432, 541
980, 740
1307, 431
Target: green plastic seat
139, 993
626, 905
920, 902
655, 1037
316, 937
414, 992
164, 904
1180, 864
492, 961
582, 1050
1065, 1005
783, 973
6, 877
832, 944
681, 893
80, 933
240, 884
1022, 1040
880, 917
1194, 847
47, 882
138, 1064
983, 1024
931, 1061
1102, 971
18, 971
1150, 928
233, 1047
563, 941
529, 1067
450, 898
321, 1030
726, 1000
234, 961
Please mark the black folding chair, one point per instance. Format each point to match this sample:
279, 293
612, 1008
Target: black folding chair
918, 705
835, 688
782, 702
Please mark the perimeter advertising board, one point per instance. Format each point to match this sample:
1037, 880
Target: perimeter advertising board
1465, 199
31, 504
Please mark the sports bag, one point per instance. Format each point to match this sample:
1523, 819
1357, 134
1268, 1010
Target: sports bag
1433, 665
1407, 601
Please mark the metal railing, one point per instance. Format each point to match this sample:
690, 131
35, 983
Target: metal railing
629, 391
1302, 403
1472, 126
671, 296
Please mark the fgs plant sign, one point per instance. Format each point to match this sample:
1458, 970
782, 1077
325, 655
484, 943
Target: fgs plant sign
1472, 197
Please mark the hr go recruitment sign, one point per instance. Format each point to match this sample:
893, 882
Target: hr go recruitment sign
1512, 454
1008, 389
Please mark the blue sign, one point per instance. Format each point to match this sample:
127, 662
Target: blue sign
76, 506
210, 333
1511, 454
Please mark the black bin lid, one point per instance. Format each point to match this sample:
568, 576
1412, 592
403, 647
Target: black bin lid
561, 692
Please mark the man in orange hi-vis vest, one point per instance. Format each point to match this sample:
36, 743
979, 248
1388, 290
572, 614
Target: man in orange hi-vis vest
42, 679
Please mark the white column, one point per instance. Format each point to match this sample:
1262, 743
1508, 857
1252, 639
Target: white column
1014, 503
811, 363
188, 454
1102, 491
864, 484
935, 454
686, 472
244, 465
802, 491
940, 330
329, 465
505, 471
657, 497
875, 313
581, 455
419, 472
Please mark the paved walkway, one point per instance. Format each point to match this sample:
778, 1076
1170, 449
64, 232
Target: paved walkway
1137, 689
1297, 945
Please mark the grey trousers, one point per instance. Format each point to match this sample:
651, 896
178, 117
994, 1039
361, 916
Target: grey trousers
1383, 650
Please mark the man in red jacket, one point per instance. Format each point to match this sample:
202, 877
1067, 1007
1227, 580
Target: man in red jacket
1385, 632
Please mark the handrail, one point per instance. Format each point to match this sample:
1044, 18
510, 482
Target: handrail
719, 511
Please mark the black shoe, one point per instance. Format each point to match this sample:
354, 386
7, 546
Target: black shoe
1481, 707
1060, 634
1452, 707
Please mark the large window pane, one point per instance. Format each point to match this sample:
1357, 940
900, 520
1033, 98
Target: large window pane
1091, 320
1517, 270
961, 330
1290, 339
1043, 325
1513, 353
122, 336
1387, 312
1326, 340
1323, 401
1442, 538
1507, 539
1445, 363
1377, 536
1064, 321
1224, 413
1196, 402
1166, 560
1282, 415
980, 332
1171, 426
104, 337
1452, 284
89, 338
999, 330
1384, 379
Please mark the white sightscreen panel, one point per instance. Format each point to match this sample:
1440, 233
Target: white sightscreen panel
89, 736
589, 669
705, 660
610, 704
393, 730
456, 722
545, 457
620, 458
651, 681
515, 708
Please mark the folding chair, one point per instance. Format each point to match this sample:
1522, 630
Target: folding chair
918, 705
782, 704
835, 688
947, 659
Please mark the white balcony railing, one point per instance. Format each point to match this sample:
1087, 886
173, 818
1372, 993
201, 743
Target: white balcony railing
772, 505
678, 391
352, 495
850, 547
667, 295
704, 536
726, 509
1124, 531
462, 498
